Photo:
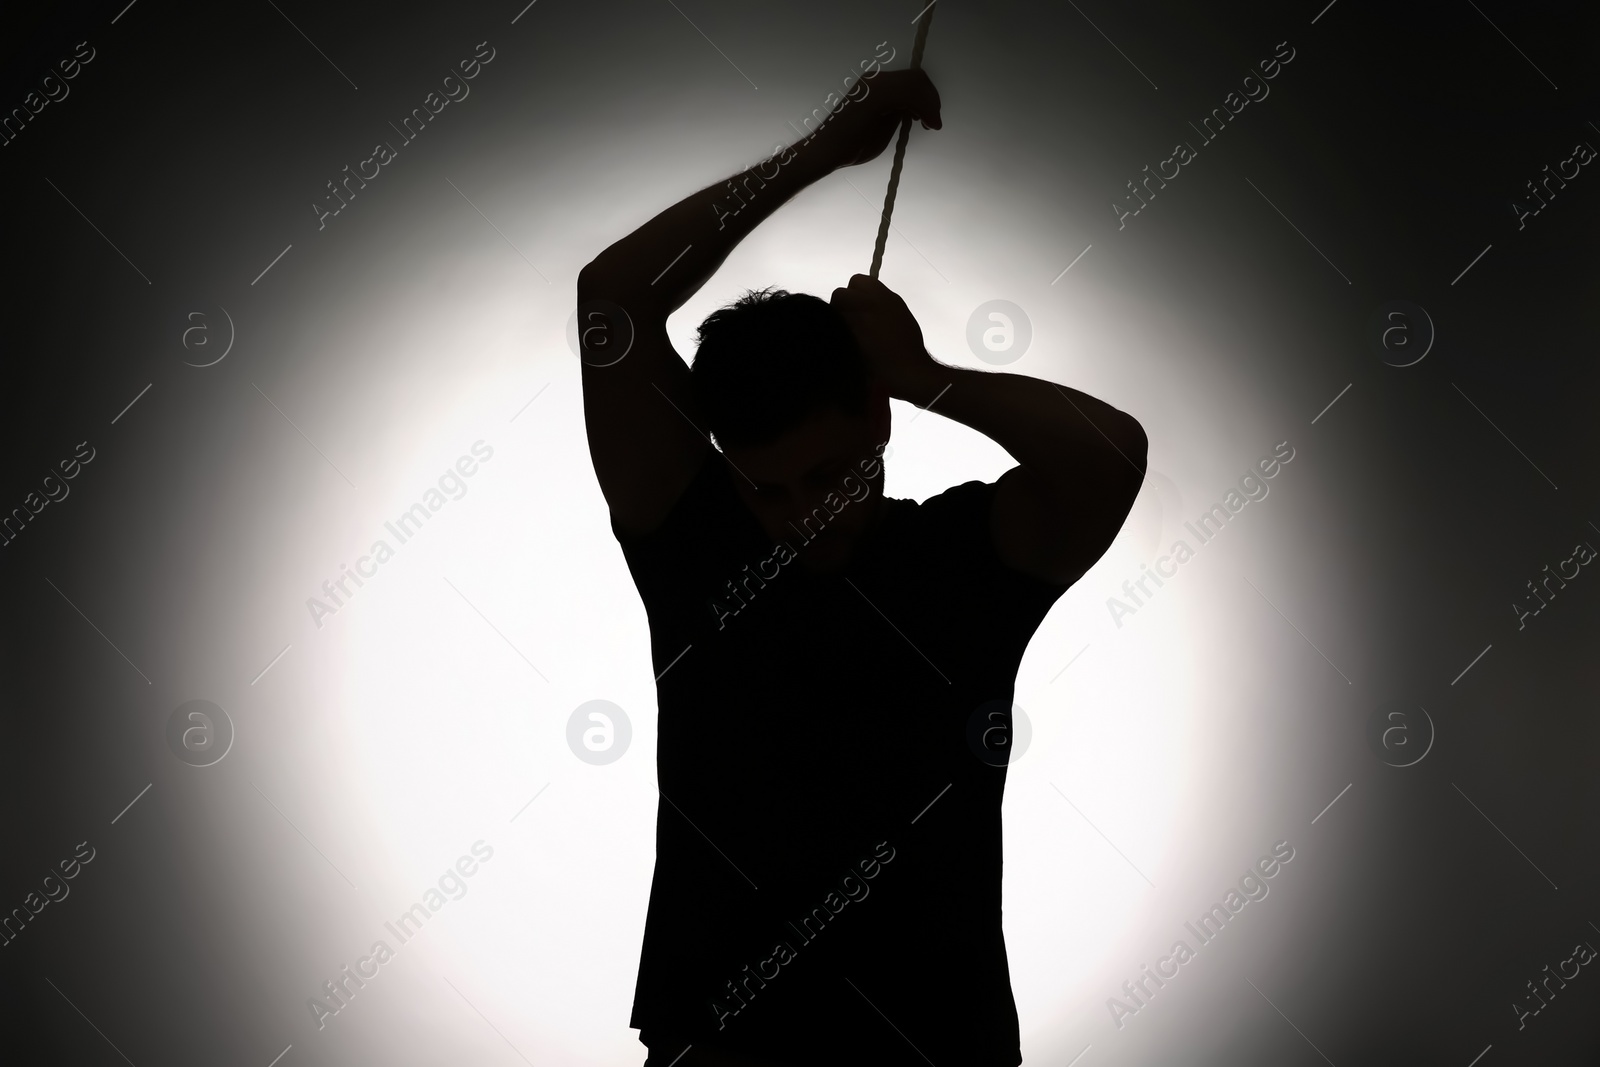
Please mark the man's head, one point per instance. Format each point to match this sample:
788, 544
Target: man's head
790, 400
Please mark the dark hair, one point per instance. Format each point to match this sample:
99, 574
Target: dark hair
766, 362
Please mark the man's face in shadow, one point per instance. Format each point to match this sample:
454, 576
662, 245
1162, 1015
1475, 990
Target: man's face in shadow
822, 460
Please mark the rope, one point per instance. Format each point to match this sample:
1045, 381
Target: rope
900, 148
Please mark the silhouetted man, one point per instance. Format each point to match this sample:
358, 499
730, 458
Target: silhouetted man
831, 664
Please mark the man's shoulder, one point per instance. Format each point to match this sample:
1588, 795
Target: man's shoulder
969, 494
955, 507
957, 527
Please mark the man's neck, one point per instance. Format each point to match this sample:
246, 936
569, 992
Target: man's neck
866, 542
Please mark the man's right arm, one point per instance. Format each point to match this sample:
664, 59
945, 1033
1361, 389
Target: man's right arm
645, 436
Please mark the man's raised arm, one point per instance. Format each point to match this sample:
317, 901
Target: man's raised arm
638, 409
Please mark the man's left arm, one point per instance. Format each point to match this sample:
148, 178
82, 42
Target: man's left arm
1080, 460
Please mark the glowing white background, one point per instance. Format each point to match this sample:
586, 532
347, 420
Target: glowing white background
452, 731
448, 732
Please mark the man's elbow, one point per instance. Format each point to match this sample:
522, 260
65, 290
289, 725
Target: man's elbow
603, 279
1138, 444
606, 276
592, 278
1128, 469
1135, 447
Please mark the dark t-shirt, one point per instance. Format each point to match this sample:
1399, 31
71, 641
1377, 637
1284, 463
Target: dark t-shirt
828, 839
